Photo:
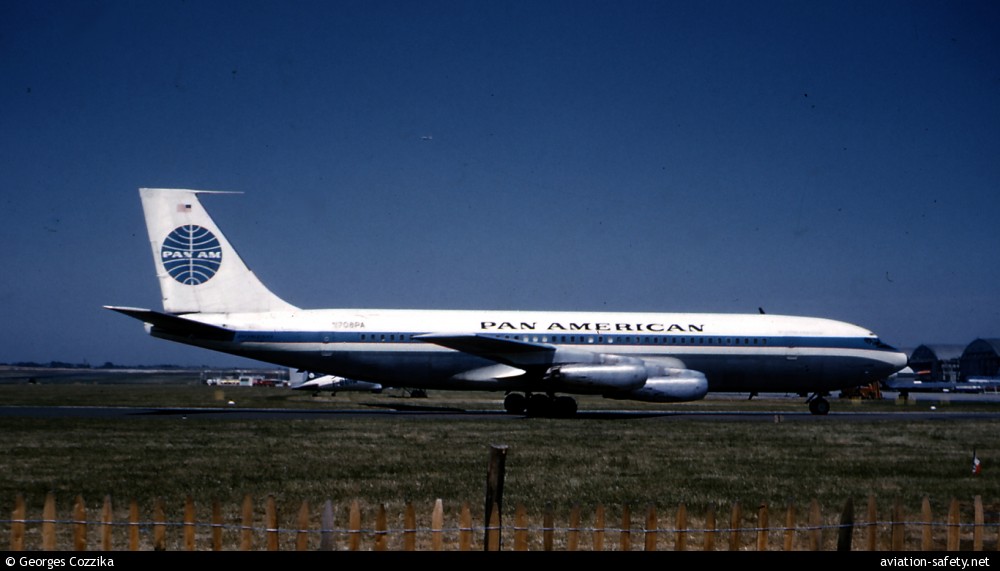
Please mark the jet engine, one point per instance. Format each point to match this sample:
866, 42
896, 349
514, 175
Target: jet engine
671, 389
672, 385
596, 377
621, 377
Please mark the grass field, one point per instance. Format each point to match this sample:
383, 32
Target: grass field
389, 460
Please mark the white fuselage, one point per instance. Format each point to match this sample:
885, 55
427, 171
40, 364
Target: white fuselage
744, 353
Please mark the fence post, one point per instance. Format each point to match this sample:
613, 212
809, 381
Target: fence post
790, 527
735, 519
816, 526
49, 523
79, 525
520, 528
216, 526
302, 537
682, 524
573, 537
980, 521
493, 530
710, 530
189, 522
381, 528
926, 532
271, 525
246, 533
625, 540
548, 528
17, 525
133, 525
410, 523
651, 526
846, 526
494, 495
17, 518
599, 528
954, 529
465, 534
354, 525
872, 523
762, 527
326, 540
898, 532
159, 526
437, 525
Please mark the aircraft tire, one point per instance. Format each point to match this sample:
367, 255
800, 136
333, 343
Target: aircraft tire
515, 403
539, 405
564, 406
819, 406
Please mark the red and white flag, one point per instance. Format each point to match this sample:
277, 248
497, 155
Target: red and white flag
977, 466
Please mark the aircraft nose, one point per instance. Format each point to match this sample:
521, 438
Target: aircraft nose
895, 361
885, 365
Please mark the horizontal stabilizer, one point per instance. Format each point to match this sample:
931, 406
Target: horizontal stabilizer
175, 326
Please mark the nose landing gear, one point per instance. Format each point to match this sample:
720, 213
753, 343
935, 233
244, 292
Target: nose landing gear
818, 405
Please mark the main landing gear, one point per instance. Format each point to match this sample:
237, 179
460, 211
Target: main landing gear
818, 404
539, 404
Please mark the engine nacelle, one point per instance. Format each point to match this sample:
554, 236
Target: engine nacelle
678, 385
596, 377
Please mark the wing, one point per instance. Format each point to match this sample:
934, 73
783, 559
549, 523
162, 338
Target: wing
520, 354
556, 369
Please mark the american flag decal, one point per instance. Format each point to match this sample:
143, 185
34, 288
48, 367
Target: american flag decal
183, 208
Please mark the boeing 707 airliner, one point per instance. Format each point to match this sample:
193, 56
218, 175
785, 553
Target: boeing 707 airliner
211, 299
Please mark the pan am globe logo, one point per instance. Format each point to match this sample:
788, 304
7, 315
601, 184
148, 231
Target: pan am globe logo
191, 254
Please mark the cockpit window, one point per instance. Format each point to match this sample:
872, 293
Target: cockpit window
879, 343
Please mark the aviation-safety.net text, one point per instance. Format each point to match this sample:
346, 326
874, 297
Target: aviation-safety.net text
953, 562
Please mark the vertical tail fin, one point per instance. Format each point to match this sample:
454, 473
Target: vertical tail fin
199, 271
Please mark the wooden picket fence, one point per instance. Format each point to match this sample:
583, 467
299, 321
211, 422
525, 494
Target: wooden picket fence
309, 530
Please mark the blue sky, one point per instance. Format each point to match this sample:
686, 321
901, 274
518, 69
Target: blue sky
834, 159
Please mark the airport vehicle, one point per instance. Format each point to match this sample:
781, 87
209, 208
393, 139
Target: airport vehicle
212, 300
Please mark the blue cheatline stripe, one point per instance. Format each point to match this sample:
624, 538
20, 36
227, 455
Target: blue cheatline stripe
388, 337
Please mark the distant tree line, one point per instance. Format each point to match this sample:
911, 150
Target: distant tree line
106, 365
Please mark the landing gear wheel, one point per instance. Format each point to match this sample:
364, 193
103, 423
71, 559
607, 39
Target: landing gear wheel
539, 405
515, 403
563, 406
819, 406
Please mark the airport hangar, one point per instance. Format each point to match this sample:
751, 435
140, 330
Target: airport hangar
955, 363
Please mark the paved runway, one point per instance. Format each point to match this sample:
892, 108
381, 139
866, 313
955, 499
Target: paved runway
52, 412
